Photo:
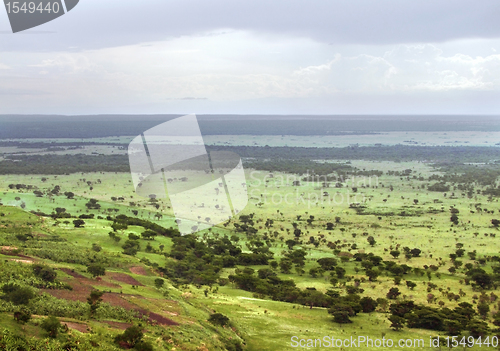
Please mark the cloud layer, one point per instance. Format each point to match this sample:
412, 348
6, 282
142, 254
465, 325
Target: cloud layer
284, 56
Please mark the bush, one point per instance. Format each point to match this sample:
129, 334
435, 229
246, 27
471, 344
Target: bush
159, 282
23, 315
78, 223
51, 325
218, 319
131, 337
45, 272
96, 270
17, 294
131, 247
143, 346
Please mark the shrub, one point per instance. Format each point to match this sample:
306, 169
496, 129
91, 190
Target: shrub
131, 337
218, 319
78, 223
45, 272
96, 270
159, 282
51, 325
23, 315
17, 294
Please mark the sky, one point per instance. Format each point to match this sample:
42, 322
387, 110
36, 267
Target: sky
256, 57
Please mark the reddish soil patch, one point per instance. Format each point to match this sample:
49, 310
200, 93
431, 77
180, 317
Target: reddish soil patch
119, 300
139, 270
159, 319
72, 273
83, 286
86, 281
123, 278
77, 326
118, 325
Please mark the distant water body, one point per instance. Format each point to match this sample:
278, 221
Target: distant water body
341, 126
382, 138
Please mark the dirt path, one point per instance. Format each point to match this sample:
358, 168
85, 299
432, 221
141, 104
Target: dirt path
77, 326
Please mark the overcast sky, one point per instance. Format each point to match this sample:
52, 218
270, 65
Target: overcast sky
258, 56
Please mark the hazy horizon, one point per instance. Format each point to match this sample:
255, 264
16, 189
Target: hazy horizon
288, 57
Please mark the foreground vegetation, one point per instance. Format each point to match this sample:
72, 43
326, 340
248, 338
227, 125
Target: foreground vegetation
341, 246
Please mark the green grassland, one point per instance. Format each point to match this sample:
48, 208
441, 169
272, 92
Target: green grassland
383, 207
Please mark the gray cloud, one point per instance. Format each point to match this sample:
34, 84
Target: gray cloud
97, 24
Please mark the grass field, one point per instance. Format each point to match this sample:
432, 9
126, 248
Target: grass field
396, 211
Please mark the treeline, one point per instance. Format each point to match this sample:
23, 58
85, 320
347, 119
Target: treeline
439, 154
200, 262
51, 145
288, 159
126, 221
63, 164
467, 174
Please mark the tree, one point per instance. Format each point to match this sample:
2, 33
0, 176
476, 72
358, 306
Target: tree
159, 283
131, 247
371, 240
453, 327
478, 328
371, 274
340, 272
495, 222
119, 226
415, 252
96, 270
79, 223
51, 325
368, 304
93, 205
327, 263
411, 285
290, 243
395, 253
149, 234
329, 226
94, 300
483, 309
315, 298
397, 322
341, 313
482, 279
393, 293
297, 232
285, 265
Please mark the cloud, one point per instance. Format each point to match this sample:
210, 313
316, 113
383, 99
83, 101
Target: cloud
95, 24
406, 68
2, 66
